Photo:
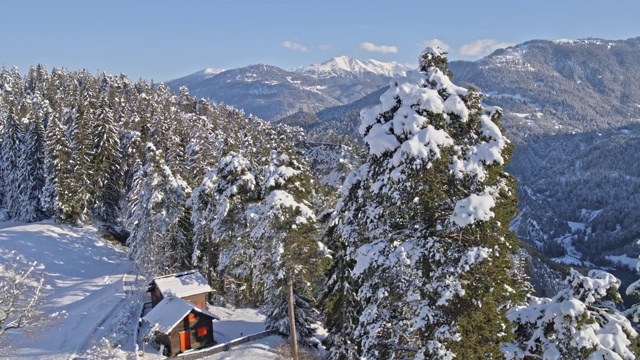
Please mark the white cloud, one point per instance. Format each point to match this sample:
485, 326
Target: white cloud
482, 47
435, 43
294, 46
378, 48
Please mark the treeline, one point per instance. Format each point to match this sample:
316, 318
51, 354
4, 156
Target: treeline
196, 184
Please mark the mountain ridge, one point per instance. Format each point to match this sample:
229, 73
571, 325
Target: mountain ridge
346, 66
276, 93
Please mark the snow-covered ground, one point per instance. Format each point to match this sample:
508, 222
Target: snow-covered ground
92, 300
233, 324
91, 296
84, 287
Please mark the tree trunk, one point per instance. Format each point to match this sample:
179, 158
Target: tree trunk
292, 318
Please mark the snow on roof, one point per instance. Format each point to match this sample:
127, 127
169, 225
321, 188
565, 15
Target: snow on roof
183, 284
170, 311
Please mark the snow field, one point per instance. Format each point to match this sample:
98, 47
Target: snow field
83, 287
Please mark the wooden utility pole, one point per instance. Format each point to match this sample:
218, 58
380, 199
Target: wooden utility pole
292, 318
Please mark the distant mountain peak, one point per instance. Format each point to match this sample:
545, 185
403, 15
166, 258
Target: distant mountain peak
341, 66
212, 71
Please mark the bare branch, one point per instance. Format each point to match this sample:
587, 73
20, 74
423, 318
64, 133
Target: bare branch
20, 294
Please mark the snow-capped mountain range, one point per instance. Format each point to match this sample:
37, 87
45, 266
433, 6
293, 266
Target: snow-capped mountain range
276, 93
345, 66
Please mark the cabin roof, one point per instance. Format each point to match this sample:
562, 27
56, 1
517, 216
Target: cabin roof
182, 284
170, 311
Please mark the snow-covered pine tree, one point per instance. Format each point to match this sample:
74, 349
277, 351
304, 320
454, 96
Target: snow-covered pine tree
285, 231
31, 170
222, 248
2, 125
342, 308
288, 235
580, 322
202, 151
106, 161
57, 154
633, 290
424, 225
74, 192
10, 151
157, 242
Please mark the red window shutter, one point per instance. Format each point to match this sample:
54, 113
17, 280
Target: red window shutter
202, 331
200, 305
192, 318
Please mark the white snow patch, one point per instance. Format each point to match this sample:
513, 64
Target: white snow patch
211, 71
472, 209
575, 226
589, 215
624, 261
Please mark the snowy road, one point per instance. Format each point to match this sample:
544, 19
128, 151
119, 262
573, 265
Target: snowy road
86, 280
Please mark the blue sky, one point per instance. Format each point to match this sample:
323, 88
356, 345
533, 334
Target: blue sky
162, 40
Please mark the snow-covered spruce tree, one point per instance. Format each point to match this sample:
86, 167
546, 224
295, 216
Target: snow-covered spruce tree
222, 246
633, 291
581, 322
31, 170
56, 166
339, 299
10, 150
424, 225
106, 160
284, 228
157, 242
75, 185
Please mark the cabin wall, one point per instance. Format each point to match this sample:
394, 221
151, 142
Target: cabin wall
174, 347
201, 321
166, 341
197, 299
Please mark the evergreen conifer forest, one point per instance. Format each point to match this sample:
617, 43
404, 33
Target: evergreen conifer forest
408, 255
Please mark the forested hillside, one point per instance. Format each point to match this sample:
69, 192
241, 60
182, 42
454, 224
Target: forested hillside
195, 184
572, 110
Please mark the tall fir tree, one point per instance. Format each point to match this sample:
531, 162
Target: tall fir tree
10, 152
222, 241
106, 160
31, 177
424, 226
285, 229
157, 242
57, 153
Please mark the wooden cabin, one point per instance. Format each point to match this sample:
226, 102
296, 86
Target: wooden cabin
187, 285
181, 325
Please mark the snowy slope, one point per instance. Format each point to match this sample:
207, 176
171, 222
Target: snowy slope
84, 287
345, 66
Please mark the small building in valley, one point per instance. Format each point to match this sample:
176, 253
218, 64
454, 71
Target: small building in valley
187, 285
180, 325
